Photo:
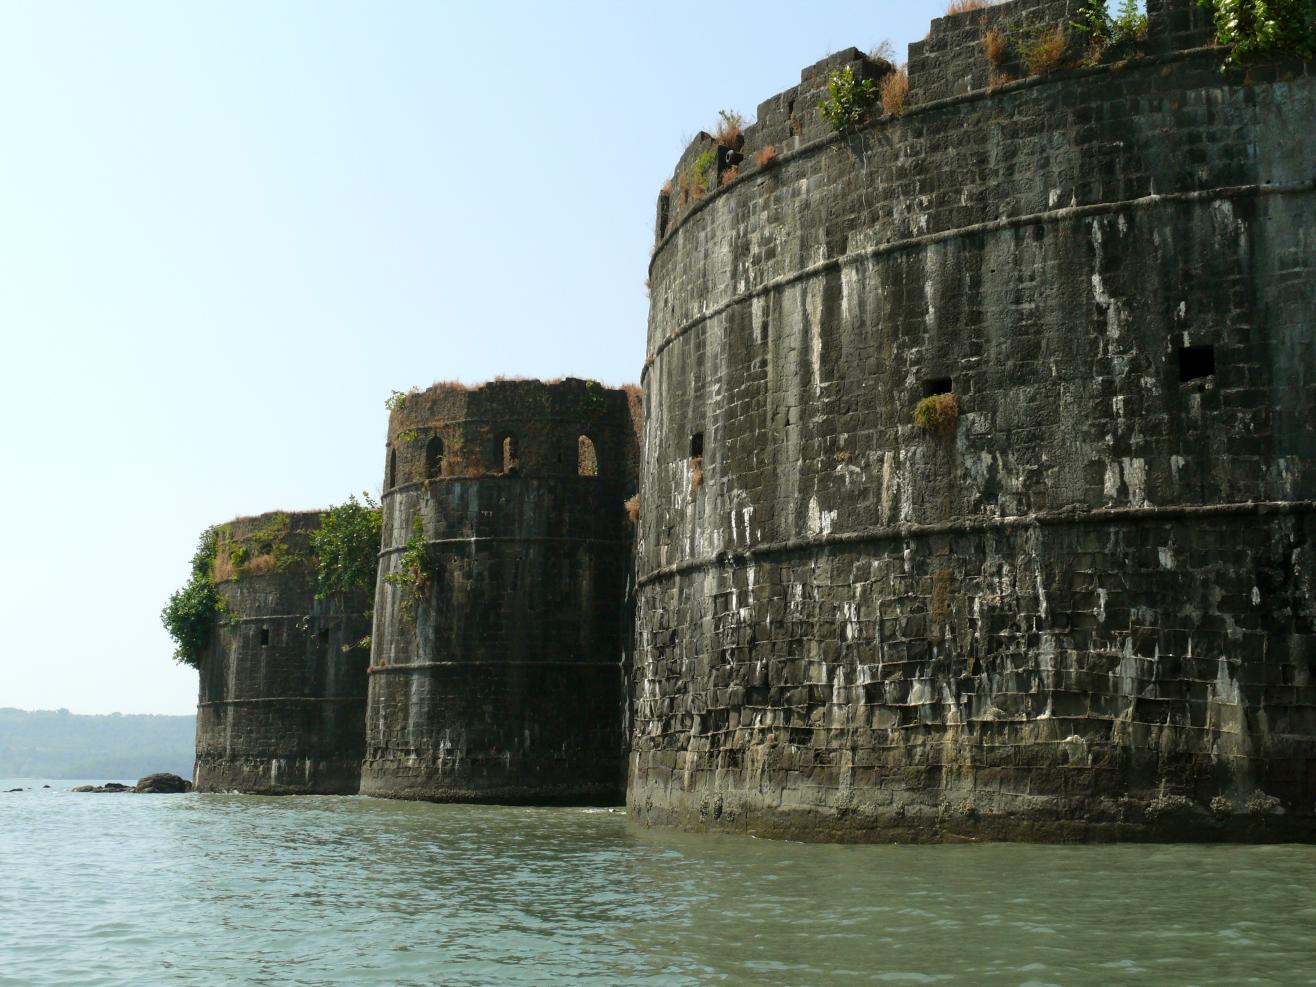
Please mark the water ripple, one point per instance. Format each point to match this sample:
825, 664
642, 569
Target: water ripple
218, 889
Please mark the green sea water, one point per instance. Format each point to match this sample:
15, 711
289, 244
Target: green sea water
222, 890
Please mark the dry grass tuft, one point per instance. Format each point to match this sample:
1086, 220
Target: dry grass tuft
765, 155
964, 6
730, 125
893, 90
633, 509
696, 475
667, 187
260, 565
223, 568
998, 79
1048, 51
994, 46
883, 51
729, 175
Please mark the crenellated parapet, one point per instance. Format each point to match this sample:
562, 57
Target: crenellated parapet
507, 428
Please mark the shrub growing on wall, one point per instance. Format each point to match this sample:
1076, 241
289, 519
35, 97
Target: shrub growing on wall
347, 548
1125, 27
1258, 27
937, 413
190, 615
849, 101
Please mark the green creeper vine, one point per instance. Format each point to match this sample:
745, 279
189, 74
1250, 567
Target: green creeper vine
416, 570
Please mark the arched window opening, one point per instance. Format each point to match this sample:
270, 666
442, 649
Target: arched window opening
434, 458
392, 468
511, 454
587, 460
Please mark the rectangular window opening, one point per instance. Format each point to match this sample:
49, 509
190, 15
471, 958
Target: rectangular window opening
264, 636
938, 385
1196, 362
696, 445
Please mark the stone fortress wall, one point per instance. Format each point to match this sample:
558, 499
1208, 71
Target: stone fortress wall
1085, 611
498, 675
1082, 609
283, 687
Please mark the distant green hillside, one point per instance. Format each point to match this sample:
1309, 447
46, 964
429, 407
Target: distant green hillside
46, 744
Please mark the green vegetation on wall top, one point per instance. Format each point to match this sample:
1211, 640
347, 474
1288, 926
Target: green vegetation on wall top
346, 549
1116, 30
264, 550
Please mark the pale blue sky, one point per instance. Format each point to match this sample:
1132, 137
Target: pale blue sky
228, 230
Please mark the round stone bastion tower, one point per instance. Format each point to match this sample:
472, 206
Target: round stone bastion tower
980, 452
502, 616
283, 684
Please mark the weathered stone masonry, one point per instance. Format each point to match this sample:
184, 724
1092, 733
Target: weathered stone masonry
283, 687
502, 678
1087, 612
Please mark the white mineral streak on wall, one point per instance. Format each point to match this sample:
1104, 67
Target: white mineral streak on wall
819, 521
813, 293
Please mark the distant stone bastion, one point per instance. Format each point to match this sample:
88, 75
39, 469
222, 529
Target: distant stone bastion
283, 683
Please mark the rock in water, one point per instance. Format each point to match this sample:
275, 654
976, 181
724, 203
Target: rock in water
164, 783
109, 786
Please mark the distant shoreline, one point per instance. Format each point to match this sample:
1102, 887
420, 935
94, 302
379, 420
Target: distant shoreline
56, 745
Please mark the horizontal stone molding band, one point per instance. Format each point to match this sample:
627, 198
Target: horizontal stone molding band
980, 726
421, 666
508, 477
1063, 214
322, 618
991, 92
500, 539
282, 699
1101, 515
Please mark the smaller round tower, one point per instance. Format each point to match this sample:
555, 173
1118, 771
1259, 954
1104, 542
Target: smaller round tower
282, 693
501, 616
